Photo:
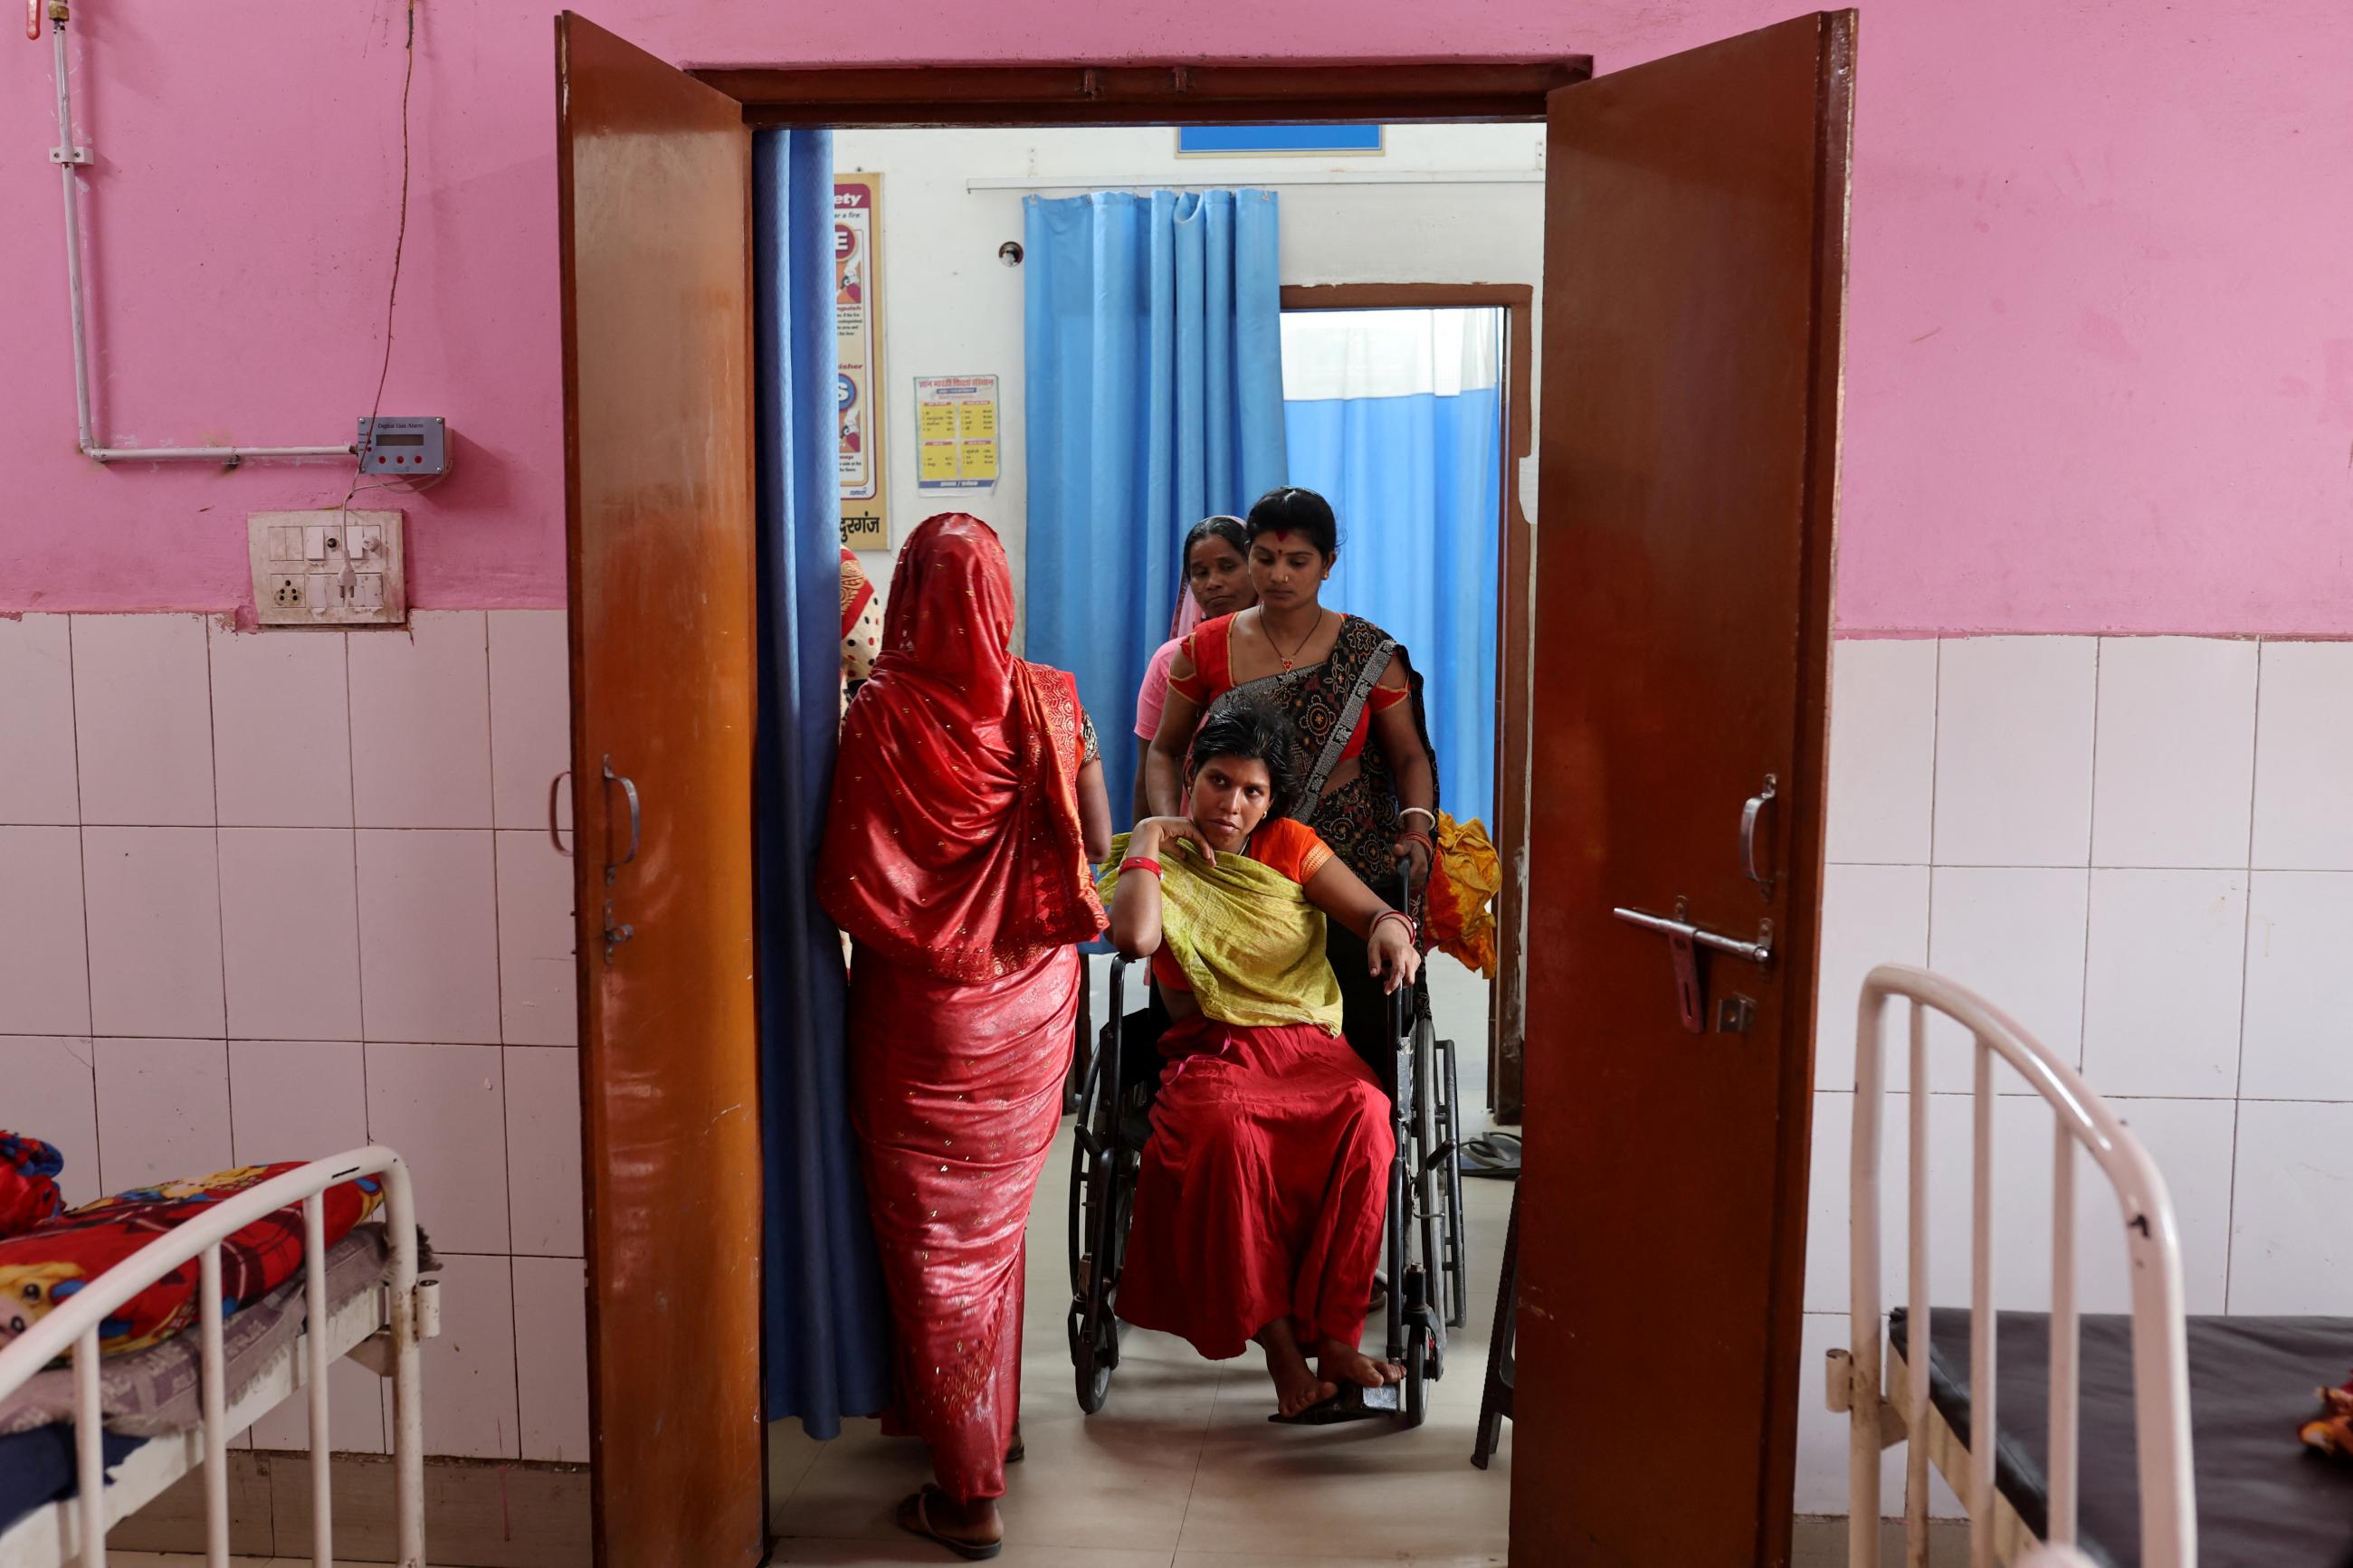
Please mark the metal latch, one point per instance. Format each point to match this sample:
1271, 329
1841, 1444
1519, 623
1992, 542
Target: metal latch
1684, 942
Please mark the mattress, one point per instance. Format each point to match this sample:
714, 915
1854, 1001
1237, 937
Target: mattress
2264, 1500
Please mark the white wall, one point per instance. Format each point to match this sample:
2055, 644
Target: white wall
951, 308
2142, 849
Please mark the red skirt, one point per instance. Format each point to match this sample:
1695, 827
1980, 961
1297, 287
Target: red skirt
1262, 1190
957, 1094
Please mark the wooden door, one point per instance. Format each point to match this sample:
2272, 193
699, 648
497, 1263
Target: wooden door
654, 177
1695, 258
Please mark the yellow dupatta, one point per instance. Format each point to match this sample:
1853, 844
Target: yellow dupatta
1248, 942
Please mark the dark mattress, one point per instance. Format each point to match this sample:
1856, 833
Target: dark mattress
2264, 1500
37, 1467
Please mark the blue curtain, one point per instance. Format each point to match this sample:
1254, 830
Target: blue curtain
1396, 416
1154, 378
823, 1319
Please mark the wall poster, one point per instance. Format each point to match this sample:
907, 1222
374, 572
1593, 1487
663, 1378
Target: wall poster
858, 380
956, 430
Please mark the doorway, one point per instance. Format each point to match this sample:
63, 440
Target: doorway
1695, 271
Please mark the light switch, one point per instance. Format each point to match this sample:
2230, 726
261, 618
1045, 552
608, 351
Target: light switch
329, 567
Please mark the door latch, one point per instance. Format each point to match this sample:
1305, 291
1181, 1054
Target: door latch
1684, 942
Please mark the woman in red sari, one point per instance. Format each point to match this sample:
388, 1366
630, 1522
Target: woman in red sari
955, 860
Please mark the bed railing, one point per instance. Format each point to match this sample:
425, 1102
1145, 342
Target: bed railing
74, 1326
2160, 1358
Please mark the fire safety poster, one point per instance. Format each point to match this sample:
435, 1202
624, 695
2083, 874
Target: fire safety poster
858, 383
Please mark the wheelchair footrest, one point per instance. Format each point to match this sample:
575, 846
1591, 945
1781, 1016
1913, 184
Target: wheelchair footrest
1354, 1403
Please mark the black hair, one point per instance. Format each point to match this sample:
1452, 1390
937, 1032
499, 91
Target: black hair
1244, 727
1229, 528
1290, 509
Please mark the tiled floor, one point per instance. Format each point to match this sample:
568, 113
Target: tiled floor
1180, 1468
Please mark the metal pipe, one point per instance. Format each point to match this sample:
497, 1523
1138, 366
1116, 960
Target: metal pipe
66, 161
73, 235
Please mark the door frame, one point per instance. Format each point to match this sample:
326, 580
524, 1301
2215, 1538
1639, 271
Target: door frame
1516, 583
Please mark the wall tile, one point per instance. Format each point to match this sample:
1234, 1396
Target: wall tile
1828, 1191
441, 1108
163, 1110
421, 723
44, 984
356, 1401
543, 1103
52, 1095
143, 720
2161, 999
1871, 915
538, 978
2299, 1037
291, 932
155, 930
37, 782
2303, 757
281, 729
1882, 750
552, 1357
296, 1100
531, 715
2015, 937
429, 936
2014, 719
2291, 1247
470, 1369
2174, 781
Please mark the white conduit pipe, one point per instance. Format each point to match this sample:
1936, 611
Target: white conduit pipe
66, 160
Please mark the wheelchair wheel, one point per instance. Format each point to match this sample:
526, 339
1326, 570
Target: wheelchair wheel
1457, 1262
1417, 1390
1088, 1155
1092, 1365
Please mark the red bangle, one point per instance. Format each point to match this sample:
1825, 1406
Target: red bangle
1139, 863
1412, 933
1422, 839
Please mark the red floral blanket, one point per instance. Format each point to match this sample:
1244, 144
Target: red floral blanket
46, 1256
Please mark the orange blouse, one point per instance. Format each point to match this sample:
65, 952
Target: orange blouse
1210, 650
1280, 845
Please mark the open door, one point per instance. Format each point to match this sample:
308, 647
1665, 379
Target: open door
1695, 261
654, 173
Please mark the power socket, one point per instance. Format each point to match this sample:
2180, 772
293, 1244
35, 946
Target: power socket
328, 568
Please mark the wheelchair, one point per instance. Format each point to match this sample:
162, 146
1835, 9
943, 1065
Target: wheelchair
1424, 1285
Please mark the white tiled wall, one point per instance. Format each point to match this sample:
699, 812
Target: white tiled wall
2142, 848
272, 895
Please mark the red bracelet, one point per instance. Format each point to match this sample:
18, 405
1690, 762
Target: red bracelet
1422, 839
1139, 863
1412, 933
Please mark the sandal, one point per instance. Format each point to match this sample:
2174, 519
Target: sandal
1492, 1154
1021, 1450
912, 1518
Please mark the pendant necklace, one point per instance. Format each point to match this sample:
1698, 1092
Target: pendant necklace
1287, 659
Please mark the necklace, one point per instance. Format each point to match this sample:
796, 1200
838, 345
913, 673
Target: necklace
1290, 657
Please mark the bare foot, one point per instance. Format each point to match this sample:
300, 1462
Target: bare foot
1295, 1385
1344, 1362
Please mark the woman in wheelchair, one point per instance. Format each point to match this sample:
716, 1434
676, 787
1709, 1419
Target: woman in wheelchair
1260, 1203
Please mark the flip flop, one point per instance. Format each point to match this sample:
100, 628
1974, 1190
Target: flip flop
1492, 1154
1354, 1401
912, 1518
1021, 1450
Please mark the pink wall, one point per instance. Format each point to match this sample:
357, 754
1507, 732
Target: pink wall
2100, 350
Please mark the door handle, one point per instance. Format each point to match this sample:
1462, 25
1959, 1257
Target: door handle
554, 821
1751, 819
637, 818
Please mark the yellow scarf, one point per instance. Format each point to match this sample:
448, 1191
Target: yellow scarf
1248, 940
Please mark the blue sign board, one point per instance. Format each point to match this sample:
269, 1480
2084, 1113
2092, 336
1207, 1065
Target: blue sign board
1249, 141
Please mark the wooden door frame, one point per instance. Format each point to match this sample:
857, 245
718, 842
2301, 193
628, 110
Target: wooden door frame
1515, 579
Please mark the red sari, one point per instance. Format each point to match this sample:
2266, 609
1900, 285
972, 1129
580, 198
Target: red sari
1262, 1189
953, 858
